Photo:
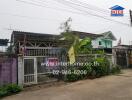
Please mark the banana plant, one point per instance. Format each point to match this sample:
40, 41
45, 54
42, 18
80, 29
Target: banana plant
85, 46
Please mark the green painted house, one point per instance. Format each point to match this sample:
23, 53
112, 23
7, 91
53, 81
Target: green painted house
103, 40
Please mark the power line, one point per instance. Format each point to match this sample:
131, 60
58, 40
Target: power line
91, 6
84, 12
82, 5
70, 5
79, 4
87, 6
57, 9
28, 17
53, 8
39, 1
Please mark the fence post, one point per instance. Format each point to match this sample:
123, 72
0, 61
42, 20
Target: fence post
127, 58
20, 71
114, 56
14, 70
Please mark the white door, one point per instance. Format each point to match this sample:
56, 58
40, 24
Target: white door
30, 71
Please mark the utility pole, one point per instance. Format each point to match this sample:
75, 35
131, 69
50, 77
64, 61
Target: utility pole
130, 11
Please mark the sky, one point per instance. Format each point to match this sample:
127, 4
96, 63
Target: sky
46, 16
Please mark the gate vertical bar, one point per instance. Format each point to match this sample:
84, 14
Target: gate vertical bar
35, 69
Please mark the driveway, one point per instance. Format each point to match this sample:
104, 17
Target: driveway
115, 87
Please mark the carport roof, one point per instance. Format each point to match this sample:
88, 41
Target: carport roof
31, 36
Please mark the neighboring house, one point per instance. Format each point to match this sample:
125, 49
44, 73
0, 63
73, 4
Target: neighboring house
122, 55
104, 40
20, 40
37, 55
4, 42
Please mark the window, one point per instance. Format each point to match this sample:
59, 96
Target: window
110, 43
100, 43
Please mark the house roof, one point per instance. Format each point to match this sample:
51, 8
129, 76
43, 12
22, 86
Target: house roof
82, 35
109, 35
38, 37
42, 38
117, 7
105, 35
31, 36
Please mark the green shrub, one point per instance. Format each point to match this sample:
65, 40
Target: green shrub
13, 88
9, 90
77, 73
116, 70
87, 69
93, 71
3, 92
103, 68
72, 77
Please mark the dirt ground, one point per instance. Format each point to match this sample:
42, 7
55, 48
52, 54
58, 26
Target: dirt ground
115, 87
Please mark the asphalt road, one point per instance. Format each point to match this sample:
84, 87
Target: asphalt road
115, 87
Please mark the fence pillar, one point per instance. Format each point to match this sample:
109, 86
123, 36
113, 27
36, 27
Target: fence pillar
14, 70
127, 58
20, 71
114, 57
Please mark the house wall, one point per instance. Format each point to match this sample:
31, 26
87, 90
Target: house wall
106, 43
103, 43
95, 43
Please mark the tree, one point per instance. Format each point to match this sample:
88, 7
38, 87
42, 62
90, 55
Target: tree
9, 49
80, 46
66, 26
66, 34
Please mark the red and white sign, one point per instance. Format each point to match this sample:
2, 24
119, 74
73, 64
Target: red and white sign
117, 11
52, 62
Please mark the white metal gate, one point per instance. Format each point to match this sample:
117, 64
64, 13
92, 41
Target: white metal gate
35, 69
30, 71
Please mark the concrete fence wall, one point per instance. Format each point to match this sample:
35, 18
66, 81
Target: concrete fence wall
8, 70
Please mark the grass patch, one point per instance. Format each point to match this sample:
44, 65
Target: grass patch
9, 89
